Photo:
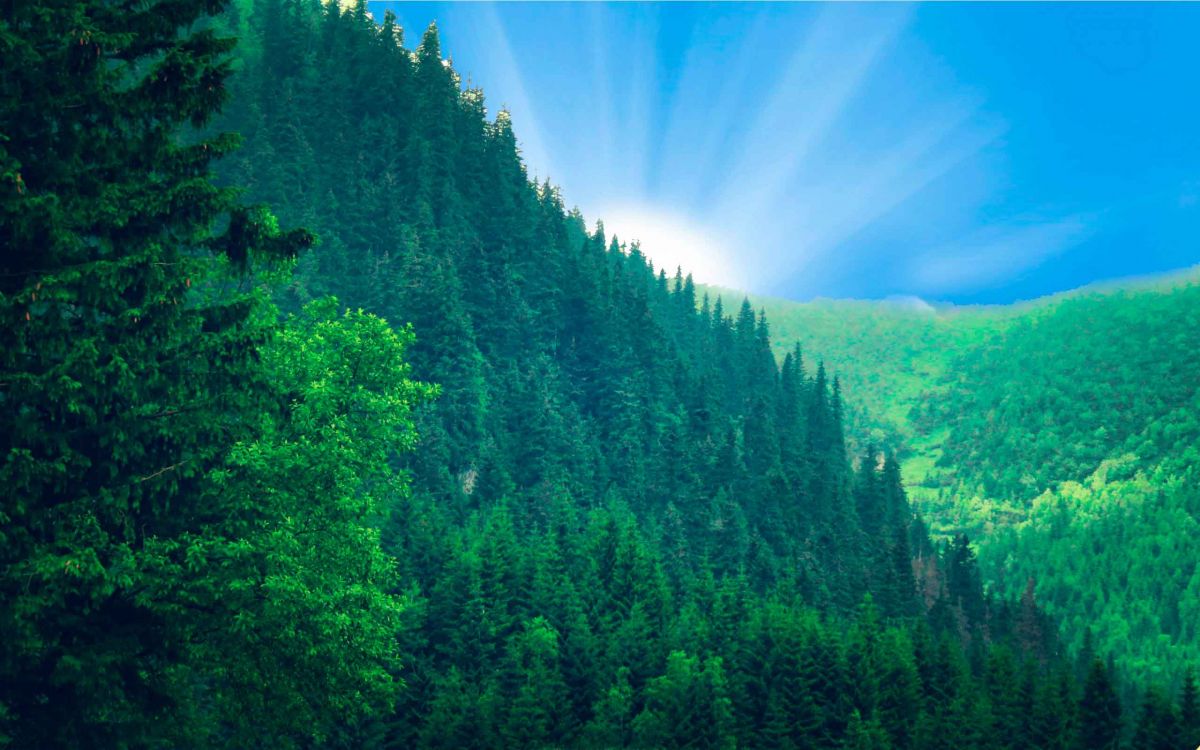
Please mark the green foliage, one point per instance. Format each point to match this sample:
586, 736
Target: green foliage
627, 514
1114, 557
188, 554
1099, 711
686, 707
629, 524
572, 371
1101, 375
1061, 433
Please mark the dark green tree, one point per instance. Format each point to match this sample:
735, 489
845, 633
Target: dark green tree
1099, 711
1158, 726
1189, 708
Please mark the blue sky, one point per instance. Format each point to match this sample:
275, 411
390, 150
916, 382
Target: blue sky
960, 152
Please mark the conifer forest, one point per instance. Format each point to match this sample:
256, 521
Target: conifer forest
324, 424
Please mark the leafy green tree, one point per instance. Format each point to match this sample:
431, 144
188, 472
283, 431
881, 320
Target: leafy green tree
297, 556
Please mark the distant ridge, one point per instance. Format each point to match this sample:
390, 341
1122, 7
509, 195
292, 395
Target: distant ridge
1164, 281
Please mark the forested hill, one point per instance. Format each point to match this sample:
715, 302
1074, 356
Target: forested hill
235, 517
572, 373
1062, 433
590, 404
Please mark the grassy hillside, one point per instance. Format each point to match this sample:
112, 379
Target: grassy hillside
1060, 433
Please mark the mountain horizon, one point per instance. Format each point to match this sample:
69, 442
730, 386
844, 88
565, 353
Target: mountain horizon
1182, 275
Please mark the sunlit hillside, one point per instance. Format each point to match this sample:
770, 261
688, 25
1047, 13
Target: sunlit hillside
1060, 433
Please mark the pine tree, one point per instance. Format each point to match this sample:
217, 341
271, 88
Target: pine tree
1099, 711
1009, 702
537, 697
1158, 726
128, 368
612, 724
457, 717
686, 707
1053, 721
866, 734
962, 579
1189, 708
899, 701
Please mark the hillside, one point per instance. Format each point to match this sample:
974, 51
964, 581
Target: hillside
888, 353
323, 427
618, 481
1060, 432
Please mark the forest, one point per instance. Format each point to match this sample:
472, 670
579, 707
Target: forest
1037, 429
324, 426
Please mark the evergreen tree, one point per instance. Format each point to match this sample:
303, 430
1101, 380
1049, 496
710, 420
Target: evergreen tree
1099, 711
1158, 726
1189, 708
536, 693
612, 725
193, 487
1053, 721
962, 579
866, 734
686, 707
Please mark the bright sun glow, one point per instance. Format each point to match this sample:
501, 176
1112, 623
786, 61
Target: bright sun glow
672, 240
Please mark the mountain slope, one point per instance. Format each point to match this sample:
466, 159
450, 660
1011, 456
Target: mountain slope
1062, 430
570, 369
630, 524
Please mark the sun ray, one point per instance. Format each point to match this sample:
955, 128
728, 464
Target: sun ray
827, 70
506, 73
704, 111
